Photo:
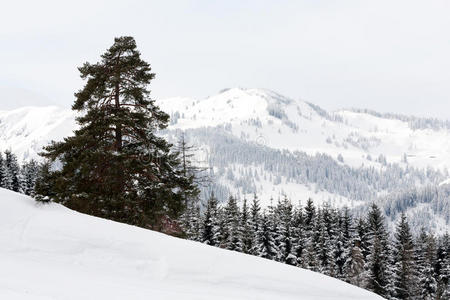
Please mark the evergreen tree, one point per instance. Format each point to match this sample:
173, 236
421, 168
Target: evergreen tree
404, 277
116, 165
210, 223
13, 179
254, 221
43, 188
425, 261
29, 176
442, 267
191, 222
377, 261
3, 178
300, 240
285, 234
232, 225
265, 243
310, 215
246, 230
354, 265
324, 247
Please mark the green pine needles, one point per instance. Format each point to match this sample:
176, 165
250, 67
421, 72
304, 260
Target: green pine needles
116, 166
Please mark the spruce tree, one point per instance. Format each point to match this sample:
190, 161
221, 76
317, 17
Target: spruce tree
254, 220
265, 243
377, 260
300, 240
3, 182
404, 275
285, 233
425, 262
13, 179
353, 268
210, 223
443, 267
191, 223
232, 225
43, 188
116, 165
246, 230
29, 174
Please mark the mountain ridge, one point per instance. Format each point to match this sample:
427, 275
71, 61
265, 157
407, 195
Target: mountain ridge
259, 141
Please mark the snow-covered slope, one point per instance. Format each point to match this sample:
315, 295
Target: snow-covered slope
51, 252
266, 117
26, 130
255, 140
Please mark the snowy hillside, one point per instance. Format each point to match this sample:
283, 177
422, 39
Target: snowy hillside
263, 116
255, 140
26, 130
51, 252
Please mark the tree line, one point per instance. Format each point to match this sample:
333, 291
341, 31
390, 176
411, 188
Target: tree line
16, 177
331, 241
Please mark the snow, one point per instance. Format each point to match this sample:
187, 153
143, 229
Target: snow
26, 129
262, 117
51, 252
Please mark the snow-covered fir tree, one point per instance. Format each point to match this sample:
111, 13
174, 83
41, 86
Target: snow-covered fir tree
210, 223
404, 275
377, 261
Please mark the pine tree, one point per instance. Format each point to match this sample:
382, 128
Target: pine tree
116, 165
190, 222
285, 234
210, 223
310, 215
404, 275
246, 230
232, 225
377, 260
13, 179
190, 170
443, 267
310, 259
353, 268
300, 240
3, 182
361, 231
425, 261
254, 221
43, 188
265, 243
29, 173
324, 247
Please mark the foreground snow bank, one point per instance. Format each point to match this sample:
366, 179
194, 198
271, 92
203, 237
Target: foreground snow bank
51, 252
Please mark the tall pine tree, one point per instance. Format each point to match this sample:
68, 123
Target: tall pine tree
116, 165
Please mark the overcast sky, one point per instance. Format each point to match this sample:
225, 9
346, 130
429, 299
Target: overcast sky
384, 55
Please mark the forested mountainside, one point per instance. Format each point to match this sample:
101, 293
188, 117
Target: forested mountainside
257, 141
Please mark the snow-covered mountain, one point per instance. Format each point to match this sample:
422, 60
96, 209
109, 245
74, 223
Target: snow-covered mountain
256, 140
51, 252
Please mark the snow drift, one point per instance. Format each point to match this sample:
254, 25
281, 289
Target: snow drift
51, 252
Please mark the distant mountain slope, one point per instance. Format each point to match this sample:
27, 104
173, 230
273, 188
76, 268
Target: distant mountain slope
51, 252
26, 130
255, 140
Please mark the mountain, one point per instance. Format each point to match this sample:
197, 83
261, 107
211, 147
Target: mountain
258, 141
85, 257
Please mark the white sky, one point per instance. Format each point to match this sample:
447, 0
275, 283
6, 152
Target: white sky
385, 55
